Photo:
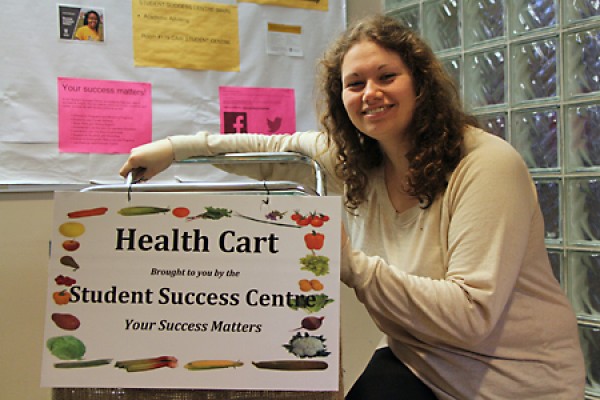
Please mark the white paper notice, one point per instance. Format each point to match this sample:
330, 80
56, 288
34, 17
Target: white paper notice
188, 290
285, 40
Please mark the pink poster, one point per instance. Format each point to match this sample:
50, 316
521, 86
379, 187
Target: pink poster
101, 116
257, 110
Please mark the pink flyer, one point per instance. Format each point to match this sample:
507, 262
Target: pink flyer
257, 110
101, 116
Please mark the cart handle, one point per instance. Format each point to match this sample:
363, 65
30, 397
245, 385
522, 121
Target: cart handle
229, 158
266, 157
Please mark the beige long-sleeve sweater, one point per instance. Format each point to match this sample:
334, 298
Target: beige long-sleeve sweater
462, 290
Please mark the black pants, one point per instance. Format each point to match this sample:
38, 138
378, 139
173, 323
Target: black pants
387, 378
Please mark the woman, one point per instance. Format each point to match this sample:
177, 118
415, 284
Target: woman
90, 28
445, 244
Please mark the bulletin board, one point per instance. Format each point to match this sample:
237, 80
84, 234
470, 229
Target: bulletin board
184, 98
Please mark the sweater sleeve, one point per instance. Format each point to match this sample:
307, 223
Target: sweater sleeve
311, 143
486, 223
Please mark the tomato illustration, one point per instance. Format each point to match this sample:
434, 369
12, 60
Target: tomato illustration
317, 221
181, 212
70, 245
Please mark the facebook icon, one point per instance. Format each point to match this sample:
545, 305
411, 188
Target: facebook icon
235, 122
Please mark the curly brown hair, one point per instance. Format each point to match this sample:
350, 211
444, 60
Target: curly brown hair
437, 126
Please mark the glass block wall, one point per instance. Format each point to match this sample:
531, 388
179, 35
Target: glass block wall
530, 71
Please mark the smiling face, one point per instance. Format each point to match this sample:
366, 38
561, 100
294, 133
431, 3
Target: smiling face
92, 20
378, 92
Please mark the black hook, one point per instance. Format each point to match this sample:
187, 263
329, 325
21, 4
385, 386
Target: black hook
266, 201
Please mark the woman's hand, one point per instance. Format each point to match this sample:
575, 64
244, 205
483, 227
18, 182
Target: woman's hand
152, 158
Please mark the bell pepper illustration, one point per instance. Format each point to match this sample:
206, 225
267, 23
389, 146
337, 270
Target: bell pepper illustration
314, 240
61, 298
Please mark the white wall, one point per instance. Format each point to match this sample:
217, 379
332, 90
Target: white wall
25, 225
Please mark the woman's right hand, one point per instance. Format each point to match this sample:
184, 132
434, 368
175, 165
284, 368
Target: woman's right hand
152, 158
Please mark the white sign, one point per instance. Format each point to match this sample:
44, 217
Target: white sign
187, 290
284, 40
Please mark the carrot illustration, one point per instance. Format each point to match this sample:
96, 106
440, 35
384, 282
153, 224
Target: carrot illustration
90, 212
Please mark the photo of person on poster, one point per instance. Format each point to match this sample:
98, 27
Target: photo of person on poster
90, 27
